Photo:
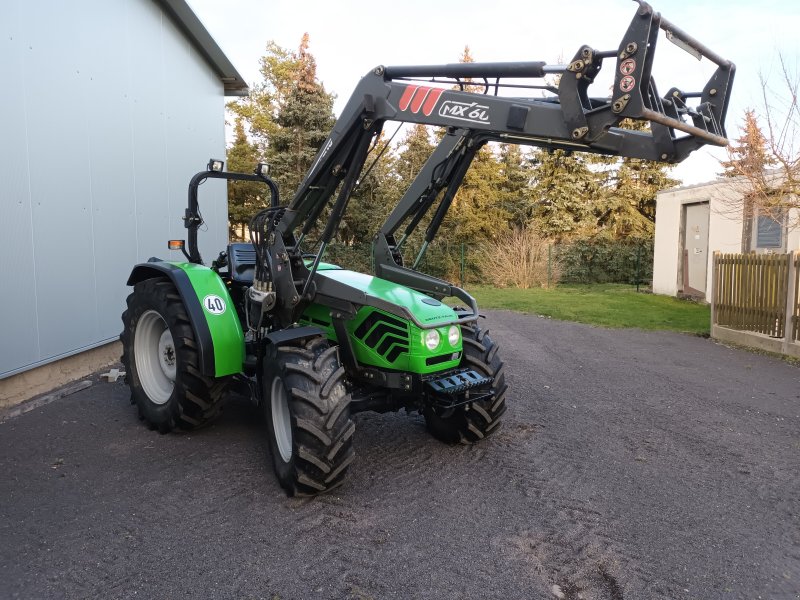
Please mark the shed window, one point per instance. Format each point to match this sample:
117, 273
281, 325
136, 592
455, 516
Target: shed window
770, 233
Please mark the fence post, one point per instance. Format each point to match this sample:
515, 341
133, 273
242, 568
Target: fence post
791, 301
638, 263
549, 265
714, 287
461, 269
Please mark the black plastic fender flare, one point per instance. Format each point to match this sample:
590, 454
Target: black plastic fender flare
205, 343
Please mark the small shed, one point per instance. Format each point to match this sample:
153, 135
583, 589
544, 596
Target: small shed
109, 107
693, 222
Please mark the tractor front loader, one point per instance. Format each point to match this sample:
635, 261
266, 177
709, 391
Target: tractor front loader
313, 343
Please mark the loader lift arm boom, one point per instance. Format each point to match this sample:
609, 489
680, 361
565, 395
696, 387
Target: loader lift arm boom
570, 120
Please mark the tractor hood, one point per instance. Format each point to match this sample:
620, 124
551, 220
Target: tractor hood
425, 309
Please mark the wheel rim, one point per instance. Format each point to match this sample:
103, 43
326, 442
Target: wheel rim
156, 360
281, 421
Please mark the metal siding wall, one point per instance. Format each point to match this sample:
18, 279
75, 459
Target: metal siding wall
58, 152
19, 334
116, 112
188, 97
111, 158
148, 125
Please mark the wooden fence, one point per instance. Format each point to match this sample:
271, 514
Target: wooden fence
758, 293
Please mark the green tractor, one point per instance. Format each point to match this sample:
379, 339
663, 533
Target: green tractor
312, 343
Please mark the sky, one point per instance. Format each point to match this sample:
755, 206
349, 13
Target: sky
349, 38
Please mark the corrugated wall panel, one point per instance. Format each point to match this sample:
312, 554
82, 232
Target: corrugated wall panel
19, 336
187, 98
111, 159
148, 124
114, 112
58, 152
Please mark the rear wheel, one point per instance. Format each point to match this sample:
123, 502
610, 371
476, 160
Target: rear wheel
307, 407
470, 423
159, 352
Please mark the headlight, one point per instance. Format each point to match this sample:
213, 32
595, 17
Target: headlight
453, 335
431, 338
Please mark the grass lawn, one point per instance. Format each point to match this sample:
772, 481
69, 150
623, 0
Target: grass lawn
607, 305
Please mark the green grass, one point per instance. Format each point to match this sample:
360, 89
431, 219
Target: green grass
608, 305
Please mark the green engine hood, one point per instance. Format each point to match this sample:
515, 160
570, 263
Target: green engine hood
380, 337
427, 310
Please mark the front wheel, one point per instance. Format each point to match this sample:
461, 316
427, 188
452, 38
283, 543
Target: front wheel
307, 408
470, 423
159, 353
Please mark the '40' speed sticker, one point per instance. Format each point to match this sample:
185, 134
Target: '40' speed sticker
214, 304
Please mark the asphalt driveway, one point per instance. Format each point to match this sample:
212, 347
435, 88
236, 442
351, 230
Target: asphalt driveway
631, 465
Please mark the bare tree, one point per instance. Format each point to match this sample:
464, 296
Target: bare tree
766, 158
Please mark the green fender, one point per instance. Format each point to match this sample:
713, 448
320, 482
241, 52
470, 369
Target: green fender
216, 326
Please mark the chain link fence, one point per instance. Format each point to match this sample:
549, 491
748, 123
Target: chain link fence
581, 261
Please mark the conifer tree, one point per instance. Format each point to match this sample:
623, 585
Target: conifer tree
627, 208
304, 120
244, 197
515, 186
289, 113
565, 192
748, 155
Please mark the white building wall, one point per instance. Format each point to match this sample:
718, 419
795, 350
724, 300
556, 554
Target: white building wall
724, 230
106, 113
666, 246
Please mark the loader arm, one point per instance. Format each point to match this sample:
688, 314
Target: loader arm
679, 123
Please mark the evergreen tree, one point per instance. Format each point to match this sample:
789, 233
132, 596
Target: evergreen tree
478, 213
515, 189
565, 192
750, 159
628, 206
244, 197
304, 120
414, 149
290, 114
749, 155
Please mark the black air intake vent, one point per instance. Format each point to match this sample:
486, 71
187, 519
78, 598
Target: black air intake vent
385, 334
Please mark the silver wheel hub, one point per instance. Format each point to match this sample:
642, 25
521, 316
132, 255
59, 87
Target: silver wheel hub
166, 354
281, 419
155, 357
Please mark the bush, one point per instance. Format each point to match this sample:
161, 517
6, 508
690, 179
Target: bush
518, 259
606, 261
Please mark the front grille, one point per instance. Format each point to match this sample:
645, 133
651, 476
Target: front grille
385, 334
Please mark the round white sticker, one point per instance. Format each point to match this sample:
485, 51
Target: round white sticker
214, 304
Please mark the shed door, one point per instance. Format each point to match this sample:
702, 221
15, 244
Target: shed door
695, 248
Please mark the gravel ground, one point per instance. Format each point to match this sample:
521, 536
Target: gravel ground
631, 465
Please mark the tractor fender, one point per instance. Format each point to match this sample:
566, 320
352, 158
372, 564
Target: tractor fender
216, 326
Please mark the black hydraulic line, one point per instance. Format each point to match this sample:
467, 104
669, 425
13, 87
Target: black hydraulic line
361, 149
312, 217
438, 181
425, 204
450, 194
435, 168
380, 154
447, 200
